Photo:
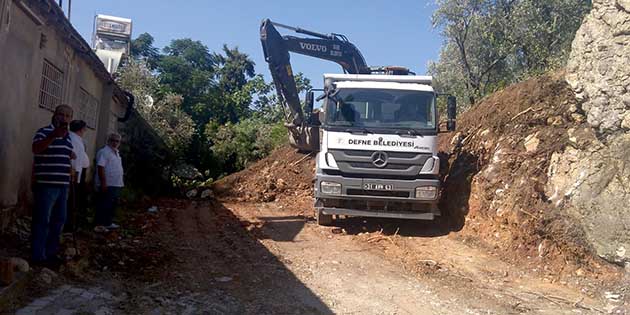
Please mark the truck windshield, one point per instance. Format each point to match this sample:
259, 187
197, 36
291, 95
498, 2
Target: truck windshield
382, 109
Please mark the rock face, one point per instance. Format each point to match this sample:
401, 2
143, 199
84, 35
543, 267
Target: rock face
592, 178
599, 66
595, 185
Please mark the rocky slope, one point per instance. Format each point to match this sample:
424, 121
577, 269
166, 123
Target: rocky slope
591, 178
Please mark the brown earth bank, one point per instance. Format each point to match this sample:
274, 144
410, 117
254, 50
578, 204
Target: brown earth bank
497, 171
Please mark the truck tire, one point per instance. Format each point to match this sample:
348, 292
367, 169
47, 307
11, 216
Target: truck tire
323, 219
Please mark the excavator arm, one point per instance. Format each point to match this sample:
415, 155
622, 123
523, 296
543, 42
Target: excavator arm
332, 47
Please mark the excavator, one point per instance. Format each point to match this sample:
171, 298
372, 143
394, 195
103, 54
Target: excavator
303, 132
377, 156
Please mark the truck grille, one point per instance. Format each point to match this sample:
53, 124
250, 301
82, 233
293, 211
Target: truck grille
370, 165
399, 155
361, 192
398, 163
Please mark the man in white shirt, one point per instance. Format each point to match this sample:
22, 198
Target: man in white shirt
78, 192
77, 130
109, 182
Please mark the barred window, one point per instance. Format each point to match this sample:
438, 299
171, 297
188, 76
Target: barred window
87, 108
51, 89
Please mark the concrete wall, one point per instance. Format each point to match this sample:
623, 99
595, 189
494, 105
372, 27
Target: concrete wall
26, 40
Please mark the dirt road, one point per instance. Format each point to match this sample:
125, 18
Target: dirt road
263, 258
417, 270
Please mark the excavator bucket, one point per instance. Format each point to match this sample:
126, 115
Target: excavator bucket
304, 138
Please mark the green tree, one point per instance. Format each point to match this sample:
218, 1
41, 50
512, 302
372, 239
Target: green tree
210, 107
266, 104
546, 43
237, 145
492, 43
235, 69
142, 48
187, 68
164, 114
234, 72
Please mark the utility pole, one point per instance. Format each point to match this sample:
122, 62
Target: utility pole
69, 7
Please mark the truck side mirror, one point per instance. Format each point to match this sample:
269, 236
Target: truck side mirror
308, 107
451, 112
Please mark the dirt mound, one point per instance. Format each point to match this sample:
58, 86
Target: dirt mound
498, 164
286, 176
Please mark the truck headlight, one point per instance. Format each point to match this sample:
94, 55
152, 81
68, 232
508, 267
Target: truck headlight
428, 166
426, 192
330, 188
330, 159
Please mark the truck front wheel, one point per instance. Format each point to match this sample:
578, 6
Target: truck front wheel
323, 219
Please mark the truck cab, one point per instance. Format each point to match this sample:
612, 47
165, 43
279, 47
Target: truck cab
378, 151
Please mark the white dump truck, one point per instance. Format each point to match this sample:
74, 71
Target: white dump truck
376, 133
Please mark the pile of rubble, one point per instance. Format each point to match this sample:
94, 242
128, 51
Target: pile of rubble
285, 175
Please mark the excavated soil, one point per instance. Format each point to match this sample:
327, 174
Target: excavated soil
497, 170
286, 177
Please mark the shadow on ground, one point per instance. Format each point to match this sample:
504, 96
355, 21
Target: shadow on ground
281, 228
214, 252
190, 258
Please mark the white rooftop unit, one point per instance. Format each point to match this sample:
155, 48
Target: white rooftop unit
112, 26
111, 39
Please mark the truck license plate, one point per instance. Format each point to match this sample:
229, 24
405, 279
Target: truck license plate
369, 186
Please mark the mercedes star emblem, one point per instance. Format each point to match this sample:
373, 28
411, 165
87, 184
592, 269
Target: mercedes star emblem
379, 159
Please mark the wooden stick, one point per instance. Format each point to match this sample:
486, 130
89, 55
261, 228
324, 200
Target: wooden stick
300, 160
529, 109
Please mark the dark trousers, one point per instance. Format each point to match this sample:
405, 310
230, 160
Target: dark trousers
49, 216
77, 205
106, 203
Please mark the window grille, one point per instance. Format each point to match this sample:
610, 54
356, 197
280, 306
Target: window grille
87, 108
51, 89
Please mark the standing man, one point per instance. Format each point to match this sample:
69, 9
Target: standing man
78, 193
52, 151
109, 183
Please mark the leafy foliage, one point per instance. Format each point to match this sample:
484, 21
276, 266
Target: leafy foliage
142, 49
211, 108
246, 141
492, 43
164, 114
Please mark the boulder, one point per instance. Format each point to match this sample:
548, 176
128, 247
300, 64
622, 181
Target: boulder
20, 264
592, 184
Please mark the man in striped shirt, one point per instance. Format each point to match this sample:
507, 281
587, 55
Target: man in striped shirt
52, 151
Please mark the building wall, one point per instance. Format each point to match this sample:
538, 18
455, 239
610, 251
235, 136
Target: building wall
26, 42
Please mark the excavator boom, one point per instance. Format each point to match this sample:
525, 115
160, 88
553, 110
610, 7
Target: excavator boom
276, 48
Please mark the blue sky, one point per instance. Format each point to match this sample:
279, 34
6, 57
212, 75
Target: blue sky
387, 32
